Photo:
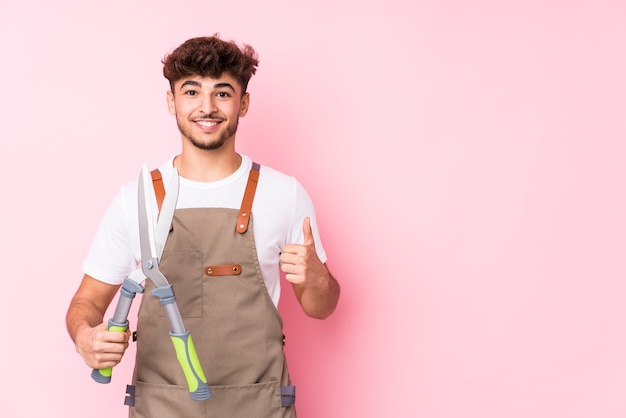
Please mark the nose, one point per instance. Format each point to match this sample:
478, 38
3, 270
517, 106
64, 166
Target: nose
207, 104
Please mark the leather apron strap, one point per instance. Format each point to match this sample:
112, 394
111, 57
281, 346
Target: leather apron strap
159, 189
248, 198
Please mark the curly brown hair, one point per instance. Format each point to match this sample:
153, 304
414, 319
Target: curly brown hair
210, 56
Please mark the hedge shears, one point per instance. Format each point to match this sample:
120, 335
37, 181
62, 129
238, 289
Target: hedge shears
152, 238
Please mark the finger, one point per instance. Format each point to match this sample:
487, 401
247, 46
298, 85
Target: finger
104, 335
290, 249
108, 359
308, 232
117, 337
294, 278
112, 349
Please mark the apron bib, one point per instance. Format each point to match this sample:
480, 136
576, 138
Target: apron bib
210, 259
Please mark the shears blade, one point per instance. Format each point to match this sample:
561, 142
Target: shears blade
153, 235
146, 216
166, 214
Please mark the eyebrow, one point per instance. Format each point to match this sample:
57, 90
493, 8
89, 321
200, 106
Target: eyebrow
190, 83
221, 85
216, 86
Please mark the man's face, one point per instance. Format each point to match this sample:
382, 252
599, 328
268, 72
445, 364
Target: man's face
207, 109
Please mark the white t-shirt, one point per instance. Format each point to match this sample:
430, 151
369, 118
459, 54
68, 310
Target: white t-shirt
279, 208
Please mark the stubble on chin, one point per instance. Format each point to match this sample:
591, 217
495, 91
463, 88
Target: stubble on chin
208, 145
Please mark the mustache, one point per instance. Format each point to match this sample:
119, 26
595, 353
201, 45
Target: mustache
210, 116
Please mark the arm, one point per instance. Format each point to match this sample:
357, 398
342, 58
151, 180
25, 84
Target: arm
316, 289
318, 301
98, 347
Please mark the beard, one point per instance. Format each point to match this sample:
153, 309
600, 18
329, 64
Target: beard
201, 143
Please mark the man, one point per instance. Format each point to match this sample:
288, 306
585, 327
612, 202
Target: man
232, 317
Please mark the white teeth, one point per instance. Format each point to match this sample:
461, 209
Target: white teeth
206, 123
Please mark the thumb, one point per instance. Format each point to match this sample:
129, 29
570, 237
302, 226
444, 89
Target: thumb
308, 232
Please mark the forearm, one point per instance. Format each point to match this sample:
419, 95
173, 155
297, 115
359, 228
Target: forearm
89, 305
99, 347
82, 312
321, 300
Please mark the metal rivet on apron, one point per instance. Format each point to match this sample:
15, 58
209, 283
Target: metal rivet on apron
235, 269
241, 226
244, 214
209, 271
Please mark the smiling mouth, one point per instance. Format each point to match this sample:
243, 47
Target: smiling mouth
207, 124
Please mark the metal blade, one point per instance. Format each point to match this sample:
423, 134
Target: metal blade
149, 256
166, 214
146, 216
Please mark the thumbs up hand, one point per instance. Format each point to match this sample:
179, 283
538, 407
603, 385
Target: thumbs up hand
300, 263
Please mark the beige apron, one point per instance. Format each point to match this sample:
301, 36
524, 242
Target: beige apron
211, 261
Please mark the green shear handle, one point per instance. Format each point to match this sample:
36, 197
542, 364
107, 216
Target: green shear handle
188, 359
183, 344
119, 322
104, 375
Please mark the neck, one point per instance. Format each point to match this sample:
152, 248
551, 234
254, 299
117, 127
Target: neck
206, 166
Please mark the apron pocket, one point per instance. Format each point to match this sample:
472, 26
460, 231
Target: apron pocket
184, 272
260, 400
165, 401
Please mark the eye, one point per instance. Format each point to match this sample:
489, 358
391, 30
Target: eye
223, 95
190, 93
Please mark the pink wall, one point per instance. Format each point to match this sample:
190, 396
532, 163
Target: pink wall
467, 164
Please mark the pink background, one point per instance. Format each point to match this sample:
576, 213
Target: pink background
467, 163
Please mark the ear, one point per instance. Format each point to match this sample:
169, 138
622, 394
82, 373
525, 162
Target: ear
171, 105
245, 103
